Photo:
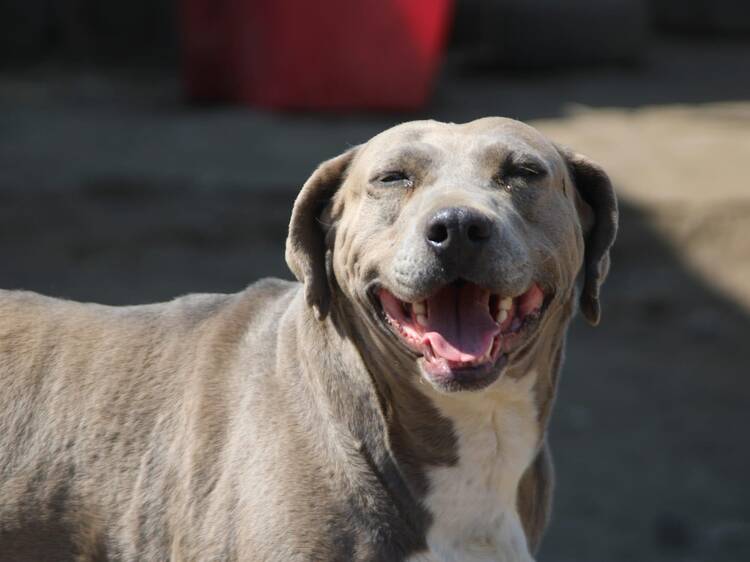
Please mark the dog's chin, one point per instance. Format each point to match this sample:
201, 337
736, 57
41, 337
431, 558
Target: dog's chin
447, 377
462, 335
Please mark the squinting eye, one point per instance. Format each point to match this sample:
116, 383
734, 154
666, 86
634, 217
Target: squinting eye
394, 177
526, 170
390, 177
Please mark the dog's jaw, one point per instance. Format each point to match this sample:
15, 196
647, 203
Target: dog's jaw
463, 334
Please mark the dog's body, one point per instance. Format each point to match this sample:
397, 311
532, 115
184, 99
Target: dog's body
304, 421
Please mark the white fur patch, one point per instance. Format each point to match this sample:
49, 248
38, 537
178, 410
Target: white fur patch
474, 502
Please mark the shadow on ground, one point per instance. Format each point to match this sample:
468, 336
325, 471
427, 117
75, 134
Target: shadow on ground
649, 431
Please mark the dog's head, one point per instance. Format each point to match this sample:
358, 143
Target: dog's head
455, 243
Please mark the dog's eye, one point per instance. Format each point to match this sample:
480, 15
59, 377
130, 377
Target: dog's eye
526, 170
393, 177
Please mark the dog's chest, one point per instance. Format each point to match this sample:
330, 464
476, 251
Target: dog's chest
473, 504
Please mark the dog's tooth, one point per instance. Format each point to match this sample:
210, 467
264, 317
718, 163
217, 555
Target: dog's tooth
506, 303
421, 319
502, 316
419, 308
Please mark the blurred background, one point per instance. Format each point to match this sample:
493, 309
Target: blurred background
150, 148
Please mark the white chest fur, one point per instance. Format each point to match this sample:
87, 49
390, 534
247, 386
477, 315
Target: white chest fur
474, 502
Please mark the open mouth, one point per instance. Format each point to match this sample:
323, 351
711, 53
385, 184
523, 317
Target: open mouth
463, 331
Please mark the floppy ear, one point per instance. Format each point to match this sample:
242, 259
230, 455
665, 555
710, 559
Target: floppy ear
597, 209
305, 243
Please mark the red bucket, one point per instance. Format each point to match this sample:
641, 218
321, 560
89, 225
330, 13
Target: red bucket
298, 54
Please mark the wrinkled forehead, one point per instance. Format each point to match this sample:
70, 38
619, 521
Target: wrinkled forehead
485, 141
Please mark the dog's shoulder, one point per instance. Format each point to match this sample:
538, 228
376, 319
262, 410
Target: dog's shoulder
261, 303
270, 293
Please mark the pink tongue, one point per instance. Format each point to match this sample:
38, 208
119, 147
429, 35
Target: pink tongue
459, 327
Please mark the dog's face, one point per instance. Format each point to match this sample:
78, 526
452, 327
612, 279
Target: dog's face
454, 242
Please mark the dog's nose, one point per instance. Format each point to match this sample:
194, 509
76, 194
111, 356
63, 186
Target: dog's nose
458, 231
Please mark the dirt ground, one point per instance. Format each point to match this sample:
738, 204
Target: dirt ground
124, 195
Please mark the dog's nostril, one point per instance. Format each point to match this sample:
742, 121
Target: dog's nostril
437, 233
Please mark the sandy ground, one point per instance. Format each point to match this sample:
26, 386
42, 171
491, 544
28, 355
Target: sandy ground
113, 191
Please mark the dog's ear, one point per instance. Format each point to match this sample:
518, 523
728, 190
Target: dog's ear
305, 243
597, 208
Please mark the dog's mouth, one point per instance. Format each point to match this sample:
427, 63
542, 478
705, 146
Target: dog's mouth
463, 332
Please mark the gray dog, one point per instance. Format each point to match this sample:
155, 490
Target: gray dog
393, 406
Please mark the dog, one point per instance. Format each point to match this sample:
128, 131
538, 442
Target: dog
390, 406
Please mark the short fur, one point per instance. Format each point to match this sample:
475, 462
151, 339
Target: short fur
286, 422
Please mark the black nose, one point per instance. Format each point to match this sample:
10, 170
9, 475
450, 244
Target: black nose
458, 231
